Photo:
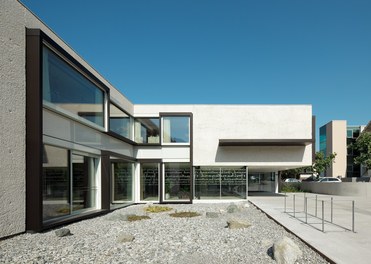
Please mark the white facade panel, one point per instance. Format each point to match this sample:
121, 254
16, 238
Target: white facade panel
166, 153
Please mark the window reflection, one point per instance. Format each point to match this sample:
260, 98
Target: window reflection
176, 129
147, 130
120, 122
68, 89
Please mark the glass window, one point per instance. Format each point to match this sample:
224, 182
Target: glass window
55, 182
68, 89
84, 189
147, 130
122, 181
120, 122
149, 173
177, 181
350, 133
176, 129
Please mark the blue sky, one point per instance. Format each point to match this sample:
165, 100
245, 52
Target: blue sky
226, 52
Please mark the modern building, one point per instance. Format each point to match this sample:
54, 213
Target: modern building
73, 146
337, 137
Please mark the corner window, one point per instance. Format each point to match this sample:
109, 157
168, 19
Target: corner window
176, 129
120, 122
69, 91
147, 130
122, 173
70, 182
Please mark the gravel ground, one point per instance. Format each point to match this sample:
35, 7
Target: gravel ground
161, 239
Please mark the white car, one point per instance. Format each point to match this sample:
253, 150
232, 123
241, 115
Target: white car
292, 180
329, 179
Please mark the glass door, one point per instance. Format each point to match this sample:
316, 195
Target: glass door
176, 182
149, 181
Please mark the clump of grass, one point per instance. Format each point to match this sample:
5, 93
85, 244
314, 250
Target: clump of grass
132, 218
157, 209
184, 214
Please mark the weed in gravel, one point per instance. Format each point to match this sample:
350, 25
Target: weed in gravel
132, 218
184, 214
157, 209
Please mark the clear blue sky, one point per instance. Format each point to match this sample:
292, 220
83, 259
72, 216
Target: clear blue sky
226, 52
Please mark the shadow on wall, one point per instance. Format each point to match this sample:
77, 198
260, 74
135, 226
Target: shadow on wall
260, 154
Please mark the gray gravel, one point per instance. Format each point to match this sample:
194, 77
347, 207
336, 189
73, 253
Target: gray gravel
161, 239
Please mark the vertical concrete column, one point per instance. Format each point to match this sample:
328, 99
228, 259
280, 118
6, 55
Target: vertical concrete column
276, 180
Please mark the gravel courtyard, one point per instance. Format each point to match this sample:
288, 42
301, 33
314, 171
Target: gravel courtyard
161, 239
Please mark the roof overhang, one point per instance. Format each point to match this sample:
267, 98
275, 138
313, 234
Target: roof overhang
264, 142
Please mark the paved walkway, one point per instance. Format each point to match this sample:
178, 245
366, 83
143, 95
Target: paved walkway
337, 242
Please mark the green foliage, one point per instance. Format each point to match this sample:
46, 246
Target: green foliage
321, 163
132, 218
157, 209
294, 173
291, 187
363, 146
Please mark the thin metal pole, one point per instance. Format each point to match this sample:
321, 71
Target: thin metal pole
316, 206
306, 210
305, 205
353, 216
332, 208
323, 216
294, 205
285, 203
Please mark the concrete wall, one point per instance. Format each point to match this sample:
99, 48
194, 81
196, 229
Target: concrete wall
336, 132
214, 122
15, 18
340, 188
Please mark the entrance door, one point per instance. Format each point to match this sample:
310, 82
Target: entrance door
149, 181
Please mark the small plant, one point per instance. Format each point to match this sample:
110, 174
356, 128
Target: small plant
185, 214
157, 209
291, 187
132, 218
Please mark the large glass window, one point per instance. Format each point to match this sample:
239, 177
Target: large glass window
69, 182
149, 177
120, 122
177, 181
262, 182
65, 87
176, 129
220, 182
147, 130
122, 181
55, 182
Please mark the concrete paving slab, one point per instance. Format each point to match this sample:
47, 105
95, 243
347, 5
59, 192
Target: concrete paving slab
337, 242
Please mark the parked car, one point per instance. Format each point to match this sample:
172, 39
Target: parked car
329, 179
311, 179
292, 180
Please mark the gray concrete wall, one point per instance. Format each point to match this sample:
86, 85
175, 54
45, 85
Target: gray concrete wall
340, 188
12, 114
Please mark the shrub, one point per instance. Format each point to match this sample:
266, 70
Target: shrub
291, 187
157, 209
184, 214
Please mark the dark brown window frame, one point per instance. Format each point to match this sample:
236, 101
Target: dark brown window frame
35, 40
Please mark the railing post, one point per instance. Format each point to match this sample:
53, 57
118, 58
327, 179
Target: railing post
294, 204
316, 207
332, 209
285, 203
323, 216
353, 216
306, 209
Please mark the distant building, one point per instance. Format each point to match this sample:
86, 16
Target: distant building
336, 137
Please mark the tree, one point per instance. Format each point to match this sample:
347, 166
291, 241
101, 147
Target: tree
363, 146
321, 163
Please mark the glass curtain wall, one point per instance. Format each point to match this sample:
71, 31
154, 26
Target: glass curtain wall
68, 89
220, 182
149, 181
122, 181
177, 181
69, 182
